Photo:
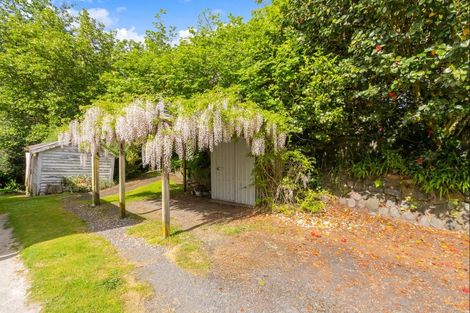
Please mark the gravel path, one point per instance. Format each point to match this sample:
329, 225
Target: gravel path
13, 284
178, 291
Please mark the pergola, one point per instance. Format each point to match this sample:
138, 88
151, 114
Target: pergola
194, 125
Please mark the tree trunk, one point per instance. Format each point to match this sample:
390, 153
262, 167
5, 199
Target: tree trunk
166, 203
95, 179
122, 179
185, 183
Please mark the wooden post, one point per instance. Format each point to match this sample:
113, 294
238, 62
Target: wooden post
165, 203
27, 180
185, 183
95, 179
122, 179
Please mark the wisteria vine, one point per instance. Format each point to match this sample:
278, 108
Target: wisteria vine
182, 133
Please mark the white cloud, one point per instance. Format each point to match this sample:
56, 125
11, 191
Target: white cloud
72, 12
183, 35
120, 9
128, 34
218, 11
102, 16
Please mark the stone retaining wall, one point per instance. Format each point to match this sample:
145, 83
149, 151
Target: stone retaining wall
398, 198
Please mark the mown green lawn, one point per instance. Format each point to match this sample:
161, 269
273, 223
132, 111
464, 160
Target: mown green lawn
148, 192
71, 270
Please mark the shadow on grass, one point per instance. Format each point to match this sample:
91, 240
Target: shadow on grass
39, 219
43, 218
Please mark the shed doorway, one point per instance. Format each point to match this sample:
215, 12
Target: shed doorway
231, 168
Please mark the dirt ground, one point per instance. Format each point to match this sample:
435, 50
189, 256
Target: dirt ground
345, 261
360, 262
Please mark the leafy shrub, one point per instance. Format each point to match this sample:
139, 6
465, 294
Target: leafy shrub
311, 201
281, 176
287, 181
403, 97
82, 183
388, 162
11, 187
442, 172
444, 175
199, 170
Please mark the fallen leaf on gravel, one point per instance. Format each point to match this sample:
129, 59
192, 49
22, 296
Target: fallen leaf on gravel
315, 234
465, 290
454, 250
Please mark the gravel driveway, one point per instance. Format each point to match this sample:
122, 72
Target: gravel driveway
348, 262
178, 291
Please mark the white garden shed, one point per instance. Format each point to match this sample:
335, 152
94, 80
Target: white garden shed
48, 163
231, 169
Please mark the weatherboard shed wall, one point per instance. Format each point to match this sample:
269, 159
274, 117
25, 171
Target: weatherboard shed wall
48, 164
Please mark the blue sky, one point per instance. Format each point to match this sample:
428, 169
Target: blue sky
130, 18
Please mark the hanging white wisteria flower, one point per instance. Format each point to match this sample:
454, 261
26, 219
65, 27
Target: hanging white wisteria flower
139, 120
85, 134
90, 130
220, 121
197, 125
158, 150
108, 133
257, 146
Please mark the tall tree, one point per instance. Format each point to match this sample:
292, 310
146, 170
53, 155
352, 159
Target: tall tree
50, 63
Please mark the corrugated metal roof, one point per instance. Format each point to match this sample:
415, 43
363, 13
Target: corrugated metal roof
42, 147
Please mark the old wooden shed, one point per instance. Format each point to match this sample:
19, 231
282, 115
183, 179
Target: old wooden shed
48, 163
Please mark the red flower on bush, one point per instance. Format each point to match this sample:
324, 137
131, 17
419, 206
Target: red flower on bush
378, 48
420, 160
392, 95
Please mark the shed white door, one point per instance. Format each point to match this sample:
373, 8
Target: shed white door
231, 168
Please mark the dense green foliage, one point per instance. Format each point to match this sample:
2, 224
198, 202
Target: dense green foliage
403, 92
371, 87
50, 65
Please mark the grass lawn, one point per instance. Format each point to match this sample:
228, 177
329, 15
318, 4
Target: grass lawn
148, 192
240, 227
184, 249
71, 271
